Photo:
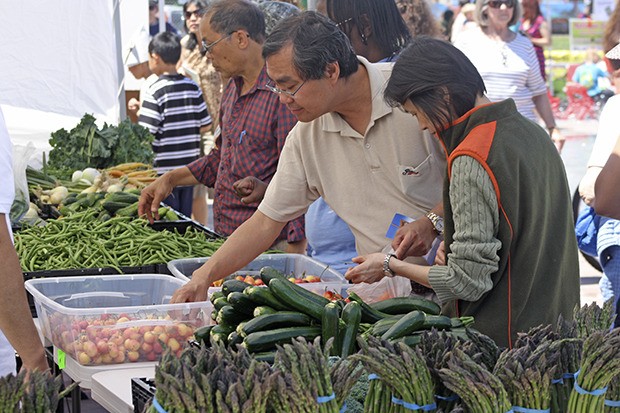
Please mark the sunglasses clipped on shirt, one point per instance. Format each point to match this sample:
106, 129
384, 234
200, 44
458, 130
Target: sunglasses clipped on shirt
496, 4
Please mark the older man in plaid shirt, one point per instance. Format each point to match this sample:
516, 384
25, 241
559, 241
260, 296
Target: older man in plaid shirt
254, 124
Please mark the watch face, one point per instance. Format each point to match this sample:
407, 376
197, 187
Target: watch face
439, 225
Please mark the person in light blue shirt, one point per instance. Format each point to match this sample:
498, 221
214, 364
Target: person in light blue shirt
330, 240
589, 74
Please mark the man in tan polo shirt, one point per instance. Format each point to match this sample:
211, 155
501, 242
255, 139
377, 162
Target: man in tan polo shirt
367, 160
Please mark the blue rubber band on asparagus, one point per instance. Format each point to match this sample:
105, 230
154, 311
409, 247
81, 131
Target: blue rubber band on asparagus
451, 398
520, 409
580, 390
344, 408
557, 381
413, 406
373, 376
158, 407
325, 399
612, 403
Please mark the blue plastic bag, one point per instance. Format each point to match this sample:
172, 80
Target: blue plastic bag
586, 231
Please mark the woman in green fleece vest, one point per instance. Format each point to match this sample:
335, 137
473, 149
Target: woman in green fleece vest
510, 256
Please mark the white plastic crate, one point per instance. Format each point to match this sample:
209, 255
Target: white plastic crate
114, 319
292, 265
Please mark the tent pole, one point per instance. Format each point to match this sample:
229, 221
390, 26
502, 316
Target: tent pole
120, 63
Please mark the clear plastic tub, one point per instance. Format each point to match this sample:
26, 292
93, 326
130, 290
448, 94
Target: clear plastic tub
114, 319
292, 265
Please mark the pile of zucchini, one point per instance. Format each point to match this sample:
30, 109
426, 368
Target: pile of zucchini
260, 318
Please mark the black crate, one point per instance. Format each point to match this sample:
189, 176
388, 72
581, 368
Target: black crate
142, 391
182, 226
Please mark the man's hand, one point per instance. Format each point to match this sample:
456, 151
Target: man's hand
250, 189
414, 239
151, 197
369, 270
194, 290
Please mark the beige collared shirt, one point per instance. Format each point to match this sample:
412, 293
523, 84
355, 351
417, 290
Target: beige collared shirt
365, 179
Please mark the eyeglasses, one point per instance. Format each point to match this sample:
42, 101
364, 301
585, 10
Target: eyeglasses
342, 23
271, 86
206, 47
496, 4
198, 13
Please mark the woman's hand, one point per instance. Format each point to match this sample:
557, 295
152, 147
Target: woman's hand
440, 257
369, 270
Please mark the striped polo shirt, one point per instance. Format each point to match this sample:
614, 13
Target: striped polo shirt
173, 110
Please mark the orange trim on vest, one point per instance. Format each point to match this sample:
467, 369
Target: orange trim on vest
477, 144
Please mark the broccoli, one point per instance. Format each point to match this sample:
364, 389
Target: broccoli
357, 396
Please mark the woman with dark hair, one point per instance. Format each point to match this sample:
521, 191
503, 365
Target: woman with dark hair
510, 256
375, 27
195, 65
535, 27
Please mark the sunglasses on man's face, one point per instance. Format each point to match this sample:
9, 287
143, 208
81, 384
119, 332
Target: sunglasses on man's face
496, 4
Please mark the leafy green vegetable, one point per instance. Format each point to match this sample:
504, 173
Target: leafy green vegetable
87, 145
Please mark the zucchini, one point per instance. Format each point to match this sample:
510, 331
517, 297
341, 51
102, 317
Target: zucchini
219, 303
404, 305
262, 310
267, 340
239, 328
128, 211
234, 338
241, 302
215, 296
279, 319
351, 315
411, 322
269, 273
288, 293
440, 322
126, 198
214, 315
411, 341
202, 335
267, 356
220, 333
264, 296
381, 326
230, 286
461, 322
229, 316
329, 325
369, 314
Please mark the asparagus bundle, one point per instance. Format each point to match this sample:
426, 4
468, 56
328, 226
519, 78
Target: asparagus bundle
214, 379
612, 397
403, 370
477, 387
599, 365
305, 382
526, 374
592, 318
436, 346
481, 349
39, 394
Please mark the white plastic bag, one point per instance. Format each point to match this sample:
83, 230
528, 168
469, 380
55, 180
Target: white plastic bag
21, 202
386, 288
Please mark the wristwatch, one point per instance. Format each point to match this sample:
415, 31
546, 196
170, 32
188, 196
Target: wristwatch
386, 265
437, 222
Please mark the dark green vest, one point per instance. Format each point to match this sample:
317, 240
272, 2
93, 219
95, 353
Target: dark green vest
538, 275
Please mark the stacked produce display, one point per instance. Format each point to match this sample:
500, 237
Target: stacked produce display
412, 361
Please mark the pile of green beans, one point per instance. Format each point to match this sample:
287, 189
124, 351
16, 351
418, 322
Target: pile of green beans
77, 241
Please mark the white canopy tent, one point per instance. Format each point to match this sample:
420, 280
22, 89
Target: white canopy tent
61, 59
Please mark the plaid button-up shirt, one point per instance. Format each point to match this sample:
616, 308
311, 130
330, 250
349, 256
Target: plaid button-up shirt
253, 131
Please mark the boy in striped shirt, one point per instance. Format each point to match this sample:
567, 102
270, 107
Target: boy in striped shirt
174, 111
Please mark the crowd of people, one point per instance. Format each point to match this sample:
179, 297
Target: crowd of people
316, 128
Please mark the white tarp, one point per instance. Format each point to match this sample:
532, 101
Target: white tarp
59, 56
59, 60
